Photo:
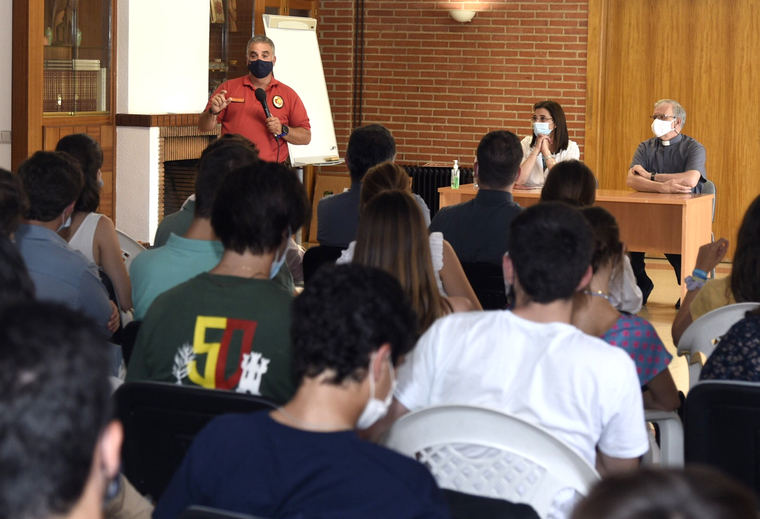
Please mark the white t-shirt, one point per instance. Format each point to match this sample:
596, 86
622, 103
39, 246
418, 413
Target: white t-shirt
576, 387
538, 173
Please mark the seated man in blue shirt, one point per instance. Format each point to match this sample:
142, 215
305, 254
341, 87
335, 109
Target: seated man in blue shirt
52, 181
338, 215
350, 328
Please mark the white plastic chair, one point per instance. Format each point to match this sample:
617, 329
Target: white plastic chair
701, 337
671, 438
520, 463
129, 247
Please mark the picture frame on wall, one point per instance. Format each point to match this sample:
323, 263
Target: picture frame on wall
217, 11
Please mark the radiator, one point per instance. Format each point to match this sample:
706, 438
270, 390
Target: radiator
426, 180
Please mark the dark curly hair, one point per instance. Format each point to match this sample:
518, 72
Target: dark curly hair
550, 245
86, 151
345, 313
54, 404
52, 180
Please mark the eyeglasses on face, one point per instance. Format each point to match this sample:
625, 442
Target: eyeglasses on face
662, 117
541, 119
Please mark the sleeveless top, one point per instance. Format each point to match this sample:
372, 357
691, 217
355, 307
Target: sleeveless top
436, 254
82, 240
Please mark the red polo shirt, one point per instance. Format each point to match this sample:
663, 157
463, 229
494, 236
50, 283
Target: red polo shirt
248, 118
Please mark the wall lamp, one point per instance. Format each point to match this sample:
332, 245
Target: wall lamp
462, 15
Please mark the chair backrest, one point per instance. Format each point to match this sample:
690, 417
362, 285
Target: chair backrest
487, 280
485, 452
703, 335
315, 257
129, 247
722, 428
205, 512
160, 421
708, 188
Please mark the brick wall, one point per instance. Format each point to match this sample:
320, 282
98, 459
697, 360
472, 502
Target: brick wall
439, 85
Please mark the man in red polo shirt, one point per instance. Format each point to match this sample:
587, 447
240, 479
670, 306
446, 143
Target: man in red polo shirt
235, 105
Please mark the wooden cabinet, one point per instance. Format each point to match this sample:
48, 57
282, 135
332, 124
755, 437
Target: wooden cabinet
63, 79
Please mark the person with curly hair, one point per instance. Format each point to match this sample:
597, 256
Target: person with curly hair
351, 327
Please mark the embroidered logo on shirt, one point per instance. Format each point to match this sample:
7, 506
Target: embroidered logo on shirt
278, 102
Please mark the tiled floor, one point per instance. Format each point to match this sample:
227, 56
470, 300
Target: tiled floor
660, 311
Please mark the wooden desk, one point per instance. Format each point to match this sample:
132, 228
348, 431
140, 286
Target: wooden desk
650, 222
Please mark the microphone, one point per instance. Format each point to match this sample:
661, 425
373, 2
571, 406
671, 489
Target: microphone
261, 96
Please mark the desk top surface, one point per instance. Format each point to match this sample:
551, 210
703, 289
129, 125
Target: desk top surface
602, 195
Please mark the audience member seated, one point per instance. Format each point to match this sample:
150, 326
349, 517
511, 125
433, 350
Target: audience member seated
393, 237
14, 279
737, 355
93, 234
199, 250
547, 146
740, 286
228, 328
59, 447
338, 215
594, 314
449, 276
388, 175
478, 230
531, 362
52, 182
691, 493
180, 221
351, 326
572, 182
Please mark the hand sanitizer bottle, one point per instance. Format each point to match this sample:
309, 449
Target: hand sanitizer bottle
455, 175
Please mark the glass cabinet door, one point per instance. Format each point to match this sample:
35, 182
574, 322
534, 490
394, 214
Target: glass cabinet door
77, 57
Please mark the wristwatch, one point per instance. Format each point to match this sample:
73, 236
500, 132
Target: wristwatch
285, 131
652, 177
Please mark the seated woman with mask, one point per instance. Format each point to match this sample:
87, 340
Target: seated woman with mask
548, 145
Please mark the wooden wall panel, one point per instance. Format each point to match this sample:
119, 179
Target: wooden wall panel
698, 52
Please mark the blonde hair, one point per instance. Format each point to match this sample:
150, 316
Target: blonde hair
392, 236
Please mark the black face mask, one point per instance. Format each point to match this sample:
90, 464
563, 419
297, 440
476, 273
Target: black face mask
260, 68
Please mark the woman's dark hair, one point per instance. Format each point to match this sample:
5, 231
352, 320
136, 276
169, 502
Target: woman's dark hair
745, 281
693, 493
86, 151
572, 182
13, 202
607, 244
560, 139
